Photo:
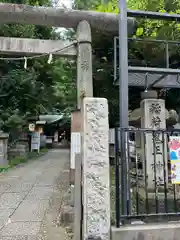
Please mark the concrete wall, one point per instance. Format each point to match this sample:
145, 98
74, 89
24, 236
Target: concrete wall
166, 231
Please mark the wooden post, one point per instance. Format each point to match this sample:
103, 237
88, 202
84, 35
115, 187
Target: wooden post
84, 62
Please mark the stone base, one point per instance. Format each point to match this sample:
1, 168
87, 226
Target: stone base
161, 206
168, 231
149, 95
3, 148
67, 215
72, 196
18, 150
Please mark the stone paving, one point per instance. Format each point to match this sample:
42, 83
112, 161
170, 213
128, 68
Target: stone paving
25, 194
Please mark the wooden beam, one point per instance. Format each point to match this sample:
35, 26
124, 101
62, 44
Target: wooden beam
36, 46
58, 17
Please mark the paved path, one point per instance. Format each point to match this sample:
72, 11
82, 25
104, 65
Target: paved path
25, 194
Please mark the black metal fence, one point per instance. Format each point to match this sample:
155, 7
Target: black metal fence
146, 180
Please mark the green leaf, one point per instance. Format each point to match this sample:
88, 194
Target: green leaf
140, 31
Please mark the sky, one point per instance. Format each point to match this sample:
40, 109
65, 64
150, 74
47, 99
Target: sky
63, 3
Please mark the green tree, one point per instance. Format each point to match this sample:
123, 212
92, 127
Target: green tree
140, 54
152, 54
42, 87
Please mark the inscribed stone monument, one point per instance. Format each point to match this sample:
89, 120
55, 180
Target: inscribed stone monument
95, 177
153, 117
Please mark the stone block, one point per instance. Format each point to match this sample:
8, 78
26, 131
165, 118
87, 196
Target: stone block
149, 95
18, 150
95, 175
67, 215
3, 148
164, 231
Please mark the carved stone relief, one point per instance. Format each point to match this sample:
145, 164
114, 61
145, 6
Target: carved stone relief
155, 108
156, 121
154, 114
96, 168
85, 57
84, 62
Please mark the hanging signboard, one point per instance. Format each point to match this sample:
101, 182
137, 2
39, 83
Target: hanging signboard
174, 153
35, 141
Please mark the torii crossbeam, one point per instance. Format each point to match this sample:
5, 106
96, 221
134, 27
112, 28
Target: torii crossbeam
59, 17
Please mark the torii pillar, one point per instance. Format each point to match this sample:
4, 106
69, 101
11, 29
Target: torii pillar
94, 152
84, 88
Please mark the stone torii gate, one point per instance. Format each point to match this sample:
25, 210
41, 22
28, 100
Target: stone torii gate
58, 17
81, 49
94, 111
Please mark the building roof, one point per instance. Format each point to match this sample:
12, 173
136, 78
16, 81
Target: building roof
152, 80
50, 118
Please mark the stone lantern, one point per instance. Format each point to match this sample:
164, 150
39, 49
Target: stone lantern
3, 148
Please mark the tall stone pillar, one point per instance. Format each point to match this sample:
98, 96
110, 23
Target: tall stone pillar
95, 174
84, 62
153, 117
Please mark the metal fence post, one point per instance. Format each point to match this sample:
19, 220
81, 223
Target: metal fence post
117, 178
123, 97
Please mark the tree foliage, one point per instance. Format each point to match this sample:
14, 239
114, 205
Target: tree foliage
51, 88
151, 54
41, 88
140, 53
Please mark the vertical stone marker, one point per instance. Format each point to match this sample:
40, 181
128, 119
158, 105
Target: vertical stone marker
95, 175
153, 117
